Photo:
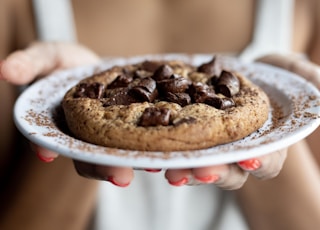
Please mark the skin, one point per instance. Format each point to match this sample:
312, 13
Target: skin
31, 61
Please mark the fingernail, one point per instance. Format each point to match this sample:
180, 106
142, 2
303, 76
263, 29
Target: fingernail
250, 165
207, 179
113, 181
152, 170
181, 182
45, 159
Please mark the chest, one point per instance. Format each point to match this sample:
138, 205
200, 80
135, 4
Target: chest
153, 26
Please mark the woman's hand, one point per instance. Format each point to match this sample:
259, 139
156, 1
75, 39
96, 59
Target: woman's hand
231, 176
41, 58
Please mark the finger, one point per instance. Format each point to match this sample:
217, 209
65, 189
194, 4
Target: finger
119, 176
227, 177
23, 66
41, 58
43, 154
208, 175
267, 166
178, 177
295, 64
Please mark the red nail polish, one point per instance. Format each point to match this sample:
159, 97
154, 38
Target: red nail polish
152, 170
111, 180
250, 165
45, 159
181, 182
208, 179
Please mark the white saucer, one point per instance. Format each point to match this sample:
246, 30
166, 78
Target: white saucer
294, 114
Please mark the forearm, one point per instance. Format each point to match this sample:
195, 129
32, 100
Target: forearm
290, 201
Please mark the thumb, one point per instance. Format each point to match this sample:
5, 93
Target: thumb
41, 58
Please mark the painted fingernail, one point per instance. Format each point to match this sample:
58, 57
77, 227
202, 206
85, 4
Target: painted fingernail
207, 179
116, 183
152, 170
250, 165
45, 159
180, 182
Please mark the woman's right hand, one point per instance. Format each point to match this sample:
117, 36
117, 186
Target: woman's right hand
42, 58
39, 59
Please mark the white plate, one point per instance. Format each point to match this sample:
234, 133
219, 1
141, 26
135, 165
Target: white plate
294, 114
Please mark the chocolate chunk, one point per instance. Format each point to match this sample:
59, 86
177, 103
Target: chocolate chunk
145, 89
154, 116
187, 120
182, 99
228, 84
175, 84
219, 103
118, 96
116, 91
163, 72
150, 66
227, 103
121, 81
208, 68
213, 80
93, 90
200, 92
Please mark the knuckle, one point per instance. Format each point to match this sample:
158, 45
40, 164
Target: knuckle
235, 178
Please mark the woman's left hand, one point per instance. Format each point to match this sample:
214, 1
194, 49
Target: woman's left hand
233, 176
230, 176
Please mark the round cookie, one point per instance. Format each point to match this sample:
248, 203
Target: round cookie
164, 106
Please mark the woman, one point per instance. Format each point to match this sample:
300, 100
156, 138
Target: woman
172, 26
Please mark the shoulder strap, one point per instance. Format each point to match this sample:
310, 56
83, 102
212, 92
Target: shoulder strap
54, 20
273, 29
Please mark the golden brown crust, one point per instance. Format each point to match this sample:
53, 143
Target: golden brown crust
116, 125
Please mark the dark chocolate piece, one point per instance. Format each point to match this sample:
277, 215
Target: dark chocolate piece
182, 99
208, 68
150, 66
163, 72
175, 84
200, 92
122, 80
213, 80
145, 89
220, 103
118, 96
94, 90
154, 116
228, 84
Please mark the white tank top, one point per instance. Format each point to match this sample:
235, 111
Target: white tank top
150, 203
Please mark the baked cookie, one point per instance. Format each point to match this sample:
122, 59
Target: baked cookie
164, 106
